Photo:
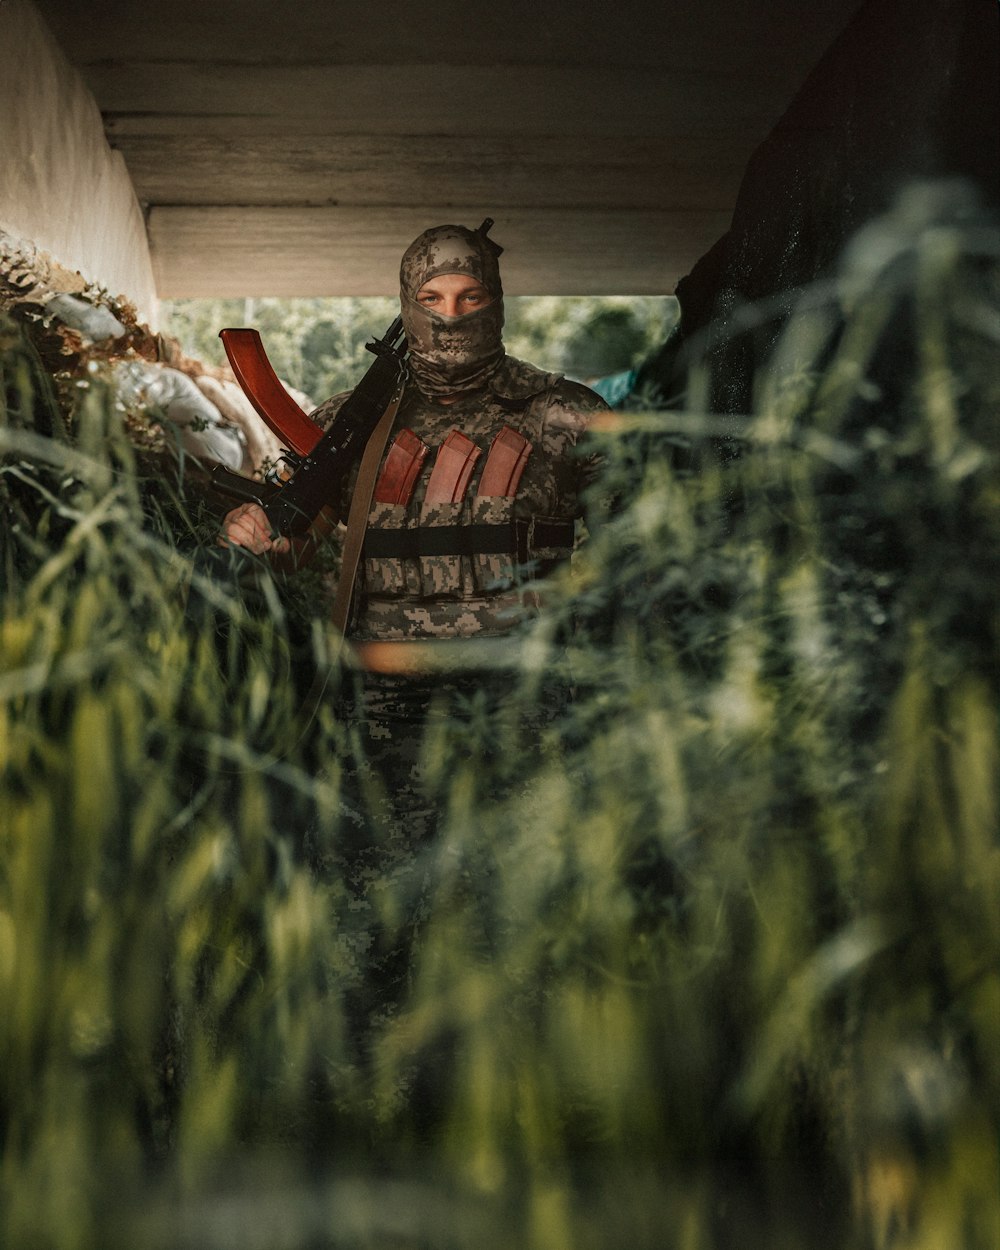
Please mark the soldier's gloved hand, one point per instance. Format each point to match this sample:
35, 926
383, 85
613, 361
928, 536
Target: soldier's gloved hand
247, 526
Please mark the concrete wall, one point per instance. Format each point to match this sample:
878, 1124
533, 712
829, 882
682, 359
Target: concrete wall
62, 187
910, 92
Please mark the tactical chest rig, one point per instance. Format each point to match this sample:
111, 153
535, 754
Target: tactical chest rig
449, 481
321, 459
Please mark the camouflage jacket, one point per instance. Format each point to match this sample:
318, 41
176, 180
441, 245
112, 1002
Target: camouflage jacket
458, 567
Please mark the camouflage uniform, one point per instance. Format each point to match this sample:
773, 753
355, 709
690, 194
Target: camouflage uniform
433, 594
422, 576
477, 594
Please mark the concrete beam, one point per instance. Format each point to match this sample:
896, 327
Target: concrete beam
271, 143
683, 34
522, 100
383, 170
214, 251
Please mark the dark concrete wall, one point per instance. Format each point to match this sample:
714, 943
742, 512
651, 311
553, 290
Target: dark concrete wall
911, 90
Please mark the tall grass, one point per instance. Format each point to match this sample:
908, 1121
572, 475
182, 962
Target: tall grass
720, 966
167, 962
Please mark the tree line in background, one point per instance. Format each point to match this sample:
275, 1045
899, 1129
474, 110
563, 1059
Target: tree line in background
318, 345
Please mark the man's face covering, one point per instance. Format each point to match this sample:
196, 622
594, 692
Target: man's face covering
449, 355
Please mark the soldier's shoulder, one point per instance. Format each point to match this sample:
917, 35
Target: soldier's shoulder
578, 397
519, 380
570, 410
328, 409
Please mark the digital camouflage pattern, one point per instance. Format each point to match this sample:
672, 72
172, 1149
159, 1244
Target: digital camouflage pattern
394, 794
396, 799
451, 249
477, 595
451, 354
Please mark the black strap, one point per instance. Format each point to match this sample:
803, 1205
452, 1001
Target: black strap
516, 538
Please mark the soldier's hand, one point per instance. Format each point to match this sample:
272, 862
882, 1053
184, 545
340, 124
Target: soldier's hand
247, 526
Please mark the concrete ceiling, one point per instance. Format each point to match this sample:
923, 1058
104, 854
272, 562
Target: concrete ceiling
295, 149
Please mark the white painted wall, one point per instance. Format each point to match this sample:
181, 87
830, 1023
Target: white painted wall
61, 186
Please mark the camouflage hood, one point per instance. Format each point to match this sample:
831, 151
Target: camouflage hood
451, 354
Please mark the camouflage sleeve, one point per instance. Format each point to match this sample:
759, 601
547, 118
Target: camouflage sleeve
328, 409
579, 460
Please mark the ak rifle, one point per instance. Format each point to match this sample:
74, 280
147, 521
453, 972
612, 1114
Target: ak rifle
318, 461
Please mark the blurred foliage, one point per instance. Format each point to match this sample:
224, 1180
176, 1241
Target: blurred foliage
722, 967
317, 345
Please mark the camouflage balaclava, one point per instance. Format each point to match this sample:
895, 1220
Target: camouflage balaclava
449, 355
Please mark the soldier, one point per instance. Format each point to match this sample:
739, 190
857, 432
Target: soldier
479, 493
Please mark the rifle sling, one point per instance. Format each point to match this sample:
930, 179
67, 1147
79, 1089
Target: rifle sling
357, 517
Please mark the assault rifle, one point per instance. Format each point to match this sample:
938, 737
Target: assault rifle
318, 461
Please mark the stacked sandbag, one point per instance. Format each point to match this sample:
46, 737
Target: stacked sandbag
169, 399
